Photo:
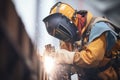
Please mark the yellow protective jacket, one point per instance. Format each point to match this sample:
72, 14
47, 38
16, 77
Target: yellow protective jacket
93, 55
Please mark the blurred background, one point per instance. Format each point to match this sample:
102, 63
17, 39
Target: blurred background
32, 13
23, 34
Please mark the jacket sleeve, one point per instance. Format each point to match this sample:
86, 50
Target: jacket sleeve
92, 54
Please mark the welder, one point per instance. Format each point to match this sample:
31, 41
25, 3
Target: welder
96, 43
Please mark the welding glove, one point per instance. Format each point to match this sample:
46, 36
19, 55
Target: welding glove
63, 56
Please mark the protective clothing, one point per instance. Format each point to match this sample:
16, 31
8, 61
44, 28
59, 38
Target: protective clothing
64, 9
64, 56
61, 27
93, 52
93, 56
61, 56
62, 22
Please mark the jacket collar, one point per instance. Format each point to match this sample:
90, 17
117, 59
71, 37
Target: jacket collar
89, 18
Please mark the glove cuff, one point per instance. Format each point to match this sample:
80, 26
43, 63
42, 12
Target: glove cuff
65, 56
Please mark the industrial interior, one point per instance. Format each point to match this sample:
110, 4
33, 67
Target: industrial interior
23, 34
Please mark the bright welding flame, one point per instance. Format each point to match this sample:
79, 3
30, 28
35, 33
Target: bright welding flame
49, 64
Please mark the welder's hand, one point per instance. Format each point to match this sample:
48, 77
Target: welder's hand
63, 56
49, 49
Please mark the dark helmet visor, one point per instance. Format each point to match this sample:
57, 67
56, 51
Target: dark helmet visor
61, 27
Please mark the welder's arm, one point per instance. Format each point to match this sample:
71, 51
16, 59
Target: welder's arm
92, 54
61, 56
89, 57
64, 56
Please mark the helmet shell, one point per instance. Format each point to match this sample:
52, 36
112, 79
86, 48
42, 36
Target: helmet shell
64, 9
61, 27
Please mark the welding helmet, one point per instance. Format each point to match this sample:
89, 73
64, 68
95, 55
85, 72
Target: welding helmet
60, 22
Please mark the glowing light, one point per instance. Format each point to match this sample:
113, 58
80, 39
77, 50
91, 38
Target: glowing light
49, 64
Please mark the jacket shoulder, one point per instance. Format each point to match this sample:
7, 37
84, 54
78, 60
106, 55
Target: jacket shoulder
99, 28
